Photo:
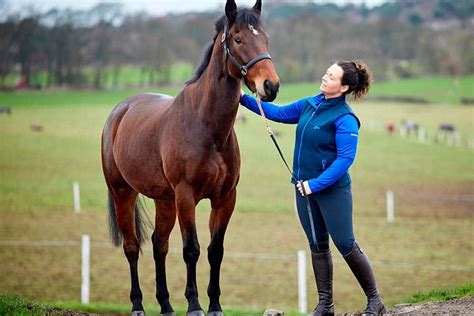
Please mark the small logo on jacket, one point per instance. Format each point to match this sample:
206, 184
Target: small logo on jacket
316, 127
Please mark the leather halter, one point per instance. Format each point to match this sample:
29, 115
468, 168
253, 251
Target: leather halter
243, 68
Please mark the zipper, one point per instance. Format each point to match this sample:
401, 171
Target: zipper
323, 164
301, 144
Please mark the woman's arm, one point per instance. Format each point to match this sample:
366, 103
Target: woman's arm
289, 113
347, 134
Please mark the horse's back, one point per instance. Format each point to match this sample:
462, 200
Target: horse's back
152, 102
128, 110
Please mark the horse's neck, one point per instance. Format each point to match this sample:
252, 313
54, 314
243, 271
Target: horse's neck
216, 98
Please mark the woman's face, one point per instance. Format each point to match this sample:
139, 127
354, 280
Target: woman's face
331, 82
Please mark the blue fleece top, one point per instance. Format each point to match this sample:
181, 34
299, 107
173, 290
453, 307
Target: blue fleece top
346, 135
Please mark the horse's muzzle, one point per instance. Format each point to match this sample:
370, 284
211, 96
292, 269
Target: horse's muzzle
271, 90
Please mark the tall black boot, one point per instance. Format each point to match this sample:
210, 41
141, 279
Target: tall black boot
360, 266
322, 267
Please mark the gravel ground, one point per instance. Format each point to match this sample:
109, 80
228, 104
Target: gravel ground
458, 306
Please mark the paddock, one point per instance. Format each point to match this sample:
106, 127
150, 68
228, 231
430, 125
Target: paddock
429, 239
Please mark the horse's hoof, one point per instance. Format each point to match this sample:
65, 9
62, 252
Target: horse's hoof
215, 313
168, 314
138, 313
195, 313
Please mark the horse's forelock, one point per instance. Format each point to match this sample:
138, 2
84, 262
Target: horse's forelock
242, 17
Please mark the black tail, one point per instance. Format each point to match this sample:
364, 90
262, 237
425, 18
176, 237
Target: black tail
142, 222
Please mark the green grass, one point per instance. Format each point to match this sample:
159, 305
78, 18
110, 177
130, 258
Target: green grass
14, 305
444, 90
438, 90
75, 98
129, 76
431, 236
441, 90
442, 294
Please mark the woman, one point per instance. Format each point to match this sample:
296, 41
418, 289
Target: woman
325, 147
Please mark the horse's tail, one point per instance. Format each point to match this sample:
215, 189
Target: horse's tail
114, 230
142, 222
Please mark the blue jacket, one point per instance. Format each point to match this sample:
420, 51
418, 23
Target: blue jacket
326, 137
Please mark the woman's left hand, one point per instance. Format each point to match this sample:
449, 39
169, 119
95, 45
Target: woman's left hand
303, 187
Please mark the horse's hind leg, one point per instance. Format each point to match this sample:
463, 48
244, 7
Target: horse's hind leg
164, 223
220, 216
186, 208
125, 200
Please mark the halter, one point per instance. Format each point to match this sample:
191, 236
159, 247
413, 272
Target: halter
243, 68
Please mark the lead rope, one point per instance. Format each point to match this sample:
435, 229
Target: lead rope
272, 136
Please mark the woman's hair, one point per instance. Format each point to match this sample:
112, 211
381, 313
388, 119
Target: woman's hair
357, 76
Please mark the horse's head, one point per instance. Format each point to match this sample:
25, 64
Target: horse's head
246, 50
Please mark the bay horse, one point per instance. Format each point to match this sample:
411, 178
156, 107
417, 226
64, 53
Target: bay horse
178, 151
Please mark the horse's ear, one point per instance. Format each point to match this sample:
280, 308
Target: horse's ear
230, 11
258, 6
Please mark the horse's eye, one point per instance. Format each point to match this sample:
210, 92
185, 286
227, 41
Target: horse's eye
238, 40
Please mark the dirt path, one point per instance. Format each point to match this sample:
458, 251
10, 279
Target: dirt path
458, 306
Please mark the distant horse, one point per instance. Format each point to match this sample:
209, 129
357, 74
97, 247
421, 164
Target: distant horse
6, 109
410, 127
447, 128
447, 133
178, 151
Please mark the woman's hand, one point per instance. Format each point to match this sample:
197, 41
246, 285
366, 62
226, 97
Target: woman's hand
303, 188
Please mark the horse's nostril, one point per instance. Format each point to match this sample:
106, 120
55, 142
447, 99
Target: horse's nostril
267, 85
276, 87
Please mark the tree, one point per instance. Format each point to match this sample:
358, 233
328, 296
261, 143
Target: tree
7, 49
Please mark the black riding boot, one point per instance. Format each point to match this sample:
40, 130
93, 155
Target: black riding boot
322, 267
360, 266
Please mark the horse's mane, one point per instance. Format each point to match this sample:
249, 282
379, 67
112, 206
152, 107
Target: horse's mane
242, 17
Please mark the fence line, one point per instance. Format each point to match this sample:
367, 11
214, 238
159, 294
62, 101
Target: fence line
426, 136
237, 254
418, 195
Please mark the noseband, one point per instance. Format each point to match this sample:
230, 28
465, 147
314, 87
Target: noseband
243, 68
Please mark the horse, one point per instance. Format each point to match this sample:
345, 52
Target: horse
6, 109
180, 150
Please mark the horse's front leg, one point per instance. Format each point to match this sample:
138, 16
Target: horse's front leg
220, 215
186, 208
164, 222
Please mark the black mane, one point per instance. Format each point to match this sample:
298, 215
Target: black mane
242, 17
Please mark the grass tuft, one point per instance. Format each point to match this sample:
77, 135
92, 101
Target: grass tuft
442, 294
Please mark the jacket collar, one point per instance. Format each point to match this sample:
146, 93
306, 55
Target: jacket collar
319, 101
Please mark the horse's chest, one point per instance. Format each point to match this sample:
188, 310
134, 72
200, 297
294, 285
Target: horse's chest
214, 175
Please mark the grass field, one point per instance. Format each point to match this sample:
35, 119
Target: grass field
428, 246
12, 304
127, 76
438, 90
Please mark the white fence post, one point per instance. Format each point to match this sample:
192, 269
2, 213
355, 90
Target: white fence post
390, 207
403, 131
422, 135
77, 197
86, 241
302, 297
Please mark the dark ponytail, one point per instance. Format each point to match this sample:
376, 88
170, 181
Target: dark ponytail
357, 76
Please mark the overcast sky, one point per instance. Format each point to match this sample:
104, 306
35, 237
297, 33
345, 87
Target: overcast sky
153, 7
